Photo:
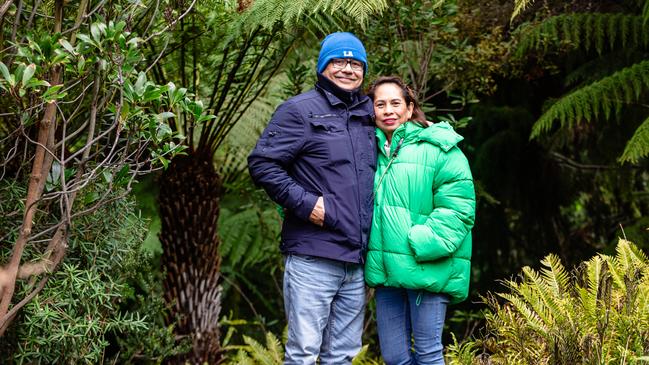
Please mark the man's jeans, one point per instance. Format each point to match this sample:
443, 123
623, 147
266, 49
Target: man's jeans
325, 304
402, 314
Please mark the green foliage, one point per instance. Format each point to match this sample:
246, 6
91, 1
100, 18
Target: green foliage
611, 94
460, 353
598, 314
84, 304
437, 49
601, 98
249, 246
255, 353
272, 353
268, 12
599, 31
638, 145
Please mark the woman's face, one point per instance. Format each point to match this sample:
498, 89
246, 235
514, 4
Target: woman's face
390, 108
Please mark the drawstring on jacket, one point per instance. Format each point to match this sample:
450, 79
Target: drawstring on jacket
419, 296
392, 157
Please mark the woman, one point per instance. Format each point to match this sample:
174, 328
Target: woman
420, 245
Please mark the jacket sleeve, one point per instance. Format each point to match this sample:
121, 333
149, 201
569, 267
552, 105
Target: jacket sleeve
277, 147
453, 209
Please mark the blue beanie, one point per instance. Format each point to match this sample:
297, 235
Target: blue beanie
341, 45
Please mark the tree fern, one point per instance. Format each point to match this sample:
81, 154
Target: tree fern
588, 31
268, 12
599, 99
612, 93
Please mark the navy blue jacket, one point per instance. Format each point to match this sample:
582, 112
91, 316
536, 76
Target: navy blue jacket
320, 143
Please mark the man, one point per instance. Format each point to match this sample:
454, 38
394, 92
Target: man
317, 159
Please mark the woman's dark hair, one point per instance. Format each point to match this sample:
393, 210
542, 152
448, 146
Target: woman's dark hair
407, 93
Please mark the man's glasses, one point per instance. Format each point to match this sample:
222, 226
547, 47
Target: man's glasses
340, 63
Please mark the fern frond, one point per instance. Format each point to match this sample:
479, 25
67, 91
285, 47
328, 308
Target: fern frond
520, 6
616, 269
266, 13
587, 31
245, 236
555, 275
601, 97
533, 320
271, 354
590, 295
638, 146
274, 347
537, 293
629, 255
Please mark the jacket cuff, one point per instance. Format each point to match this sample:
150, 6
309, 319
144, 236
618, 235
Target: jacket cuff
423, 242
303, 211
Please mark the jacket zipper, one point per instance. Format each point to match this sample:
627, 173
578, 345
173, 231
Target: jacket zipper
358, 187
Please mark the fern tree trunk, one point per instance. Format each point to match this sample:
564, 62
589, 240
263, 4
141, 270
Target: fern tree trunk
189, 210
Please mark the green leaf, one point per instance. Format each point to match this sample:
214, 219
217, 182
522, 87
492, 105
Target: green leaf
133, 42
33, 83
81, 64
122, 177
84, 38
4, 71
165, 115
51, 93
152, 94
68, 47
139, 84
163, 131
95, 31
90, 197
108, 176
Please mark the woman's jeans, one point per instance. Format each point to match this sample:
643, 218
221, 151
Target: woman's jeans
404, 314
325, 305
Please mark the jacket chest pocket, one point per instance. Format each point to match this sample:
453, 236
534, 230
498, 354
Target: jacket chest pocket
329, 137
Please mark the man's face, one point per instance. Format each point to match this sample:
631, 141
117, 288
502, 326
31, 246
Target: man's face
345, 77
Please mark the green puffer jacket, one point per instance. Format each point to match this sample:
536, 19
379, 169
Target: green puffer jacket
424, 210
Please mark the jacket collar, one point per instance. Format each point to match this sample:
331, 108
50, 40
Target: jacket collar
335, 95
439, 134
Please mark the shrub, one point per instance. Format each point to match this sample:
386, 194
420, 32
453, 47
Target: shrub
598, 314
100, 298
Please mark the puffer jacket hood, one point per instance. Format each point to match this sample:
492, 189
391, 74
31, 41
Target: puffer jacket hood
423, 213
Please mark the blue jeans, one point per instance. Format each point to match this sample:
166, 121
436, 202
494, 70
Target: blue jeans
325, 305
404, 314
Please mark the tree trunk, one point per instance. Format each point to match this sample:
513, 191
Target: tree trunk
189, 210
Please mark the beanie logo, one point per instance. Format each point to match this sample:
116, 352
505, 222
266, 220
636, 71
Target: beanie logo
348, 54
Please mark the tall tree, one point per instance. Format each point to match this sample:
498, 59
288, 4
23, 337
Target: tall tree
78, 113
